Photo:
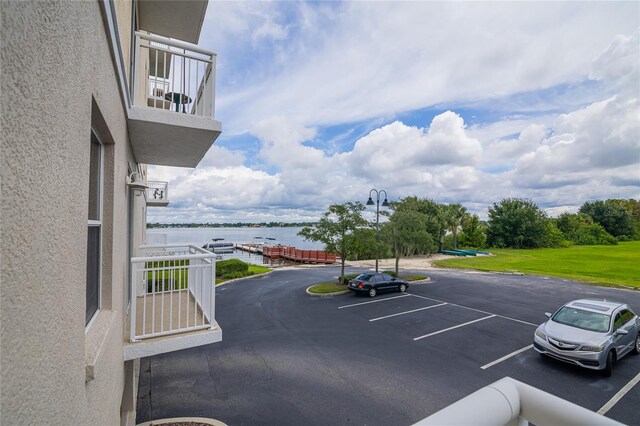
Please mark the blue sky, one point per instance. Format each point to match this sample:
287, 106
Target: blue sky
467, 102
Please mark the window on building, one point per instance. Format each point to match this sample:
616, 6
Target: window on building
94, 234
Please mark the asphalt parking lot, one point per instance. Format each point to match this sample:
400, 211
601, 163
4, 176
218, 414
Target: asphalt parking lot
287, 358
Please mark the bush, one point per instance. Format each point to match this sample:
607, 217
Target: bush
347, 278
581, 230
612, 215
553, 237
516, 223
157, 286
230, 266
594, 234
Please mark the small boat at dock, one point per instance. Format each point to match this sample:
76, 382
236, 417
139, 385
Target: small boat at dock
219, 246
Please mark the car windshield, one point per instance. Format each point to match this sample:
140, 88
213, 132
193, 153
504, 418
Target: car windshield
364, 277
586, 320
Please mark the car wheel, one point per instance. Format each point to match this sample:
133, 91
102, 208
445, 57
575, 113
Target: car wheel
636, 348
402, 288
609, 365
372, 292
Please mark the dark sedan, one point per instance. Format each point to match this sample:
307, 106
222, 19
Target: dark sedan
372, 283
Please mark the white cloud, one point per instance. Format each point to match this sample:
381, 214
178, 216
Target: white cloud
282, 144
505, 152
392, 152
270, 29
367, 59
619, 64
448, 143
328, 68
586, 145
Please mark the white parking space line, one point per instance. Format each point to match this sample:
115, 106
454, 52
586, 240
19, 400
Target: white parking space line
454, 327
406, 312
372, 301
506, 357
617, 397
474, 309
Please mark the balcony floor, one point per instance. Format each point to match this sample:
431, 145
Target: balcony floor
171, 342
167, 138
157, 203
180, 305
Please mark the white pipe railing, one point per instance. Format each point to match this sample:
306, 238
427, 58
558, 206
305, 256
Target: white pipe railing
174, 76
509, 402
174, 289
157, 191
156, 239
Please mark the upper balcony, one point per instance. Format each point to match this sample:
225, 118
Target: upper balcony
157, 194
181, 19
172, 307
172, 120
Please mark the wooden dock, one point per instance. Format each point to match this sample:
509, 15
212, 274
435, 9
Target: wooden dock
296, 255
250, 248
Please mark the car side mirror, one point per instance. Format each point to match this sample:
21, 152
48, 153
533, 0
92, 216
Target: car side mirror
548, 314
620, 332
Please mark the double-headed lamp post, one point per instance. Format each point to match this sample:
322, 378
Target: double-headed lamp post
385, 203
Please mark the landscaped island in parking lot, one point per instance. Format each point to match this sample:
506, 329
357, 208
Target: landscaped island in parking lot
600, 265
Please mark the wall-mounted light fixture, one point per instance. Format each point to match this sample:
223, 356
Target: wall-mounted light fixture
135, 181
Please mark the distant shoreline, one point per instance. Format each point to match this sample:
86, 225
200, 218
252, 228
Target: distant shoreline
229, 225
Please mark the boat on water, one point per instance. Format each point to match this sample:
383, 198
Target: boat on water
219, 246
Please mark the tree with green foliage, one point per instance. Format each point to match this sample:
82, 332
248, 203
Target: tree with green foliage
453, 215
334, 229
406, 234
633, 207
434, 220
365, 244
474, 232
580, 229
553, 237
516, 223
612, 215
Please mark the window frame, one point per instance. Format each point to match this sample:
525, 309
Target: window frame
618, 317
96, 223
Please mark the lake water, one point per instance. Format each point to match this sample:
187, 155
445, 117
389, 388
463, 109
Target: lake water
287, 236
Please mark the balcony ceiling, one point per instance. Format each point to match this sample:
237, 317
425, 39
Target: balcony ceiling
170, 139
180, 19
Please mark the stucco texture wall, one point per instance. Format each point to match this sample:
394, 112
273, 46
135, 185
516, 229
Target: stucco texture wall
56, 64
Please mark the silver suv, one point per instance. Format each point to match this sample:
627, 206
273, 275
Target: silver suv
590, 333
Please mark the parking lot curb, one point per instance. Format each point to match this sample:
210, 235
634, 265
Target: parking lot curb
244, 278
177, 421
424, 281
337, 293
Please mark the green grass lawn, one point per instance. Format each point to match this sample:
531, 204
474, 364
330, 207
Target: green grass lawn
161, 279
334, 287
602, 265
327, 288
257, 269
253, 270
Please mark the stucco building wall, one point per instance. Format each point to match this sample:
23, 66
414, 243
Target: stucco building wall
58, 80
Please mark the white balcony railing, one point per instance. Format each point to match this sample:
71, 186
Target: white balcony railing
174, 291
173, 75
156, 239
157, 193
509, 402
